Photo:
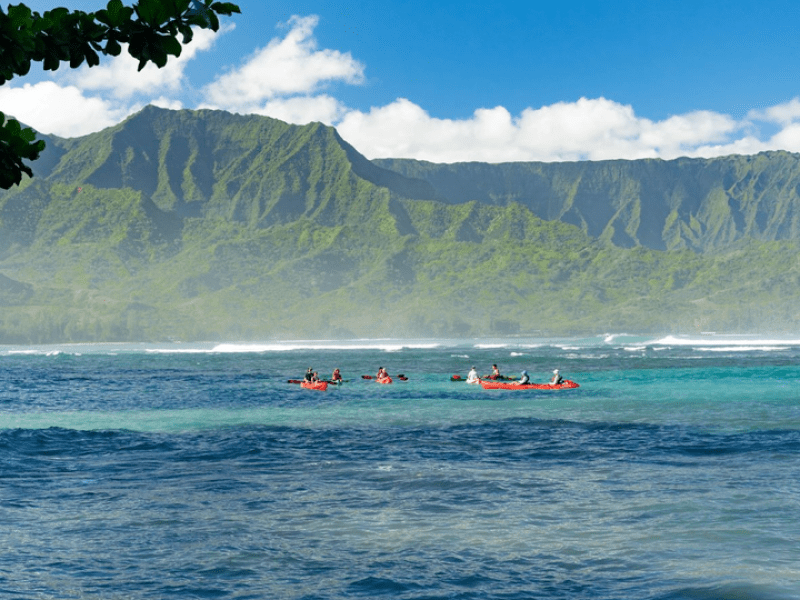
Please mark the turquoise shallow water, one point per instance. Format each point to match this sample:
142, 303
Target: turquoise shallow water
197, 471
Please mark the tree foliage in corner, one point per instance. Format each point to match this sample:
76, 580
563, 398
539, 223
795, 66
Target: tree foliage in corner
150, 28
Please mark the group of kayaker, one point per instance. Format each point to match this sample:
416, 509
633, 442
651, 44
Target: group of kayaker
312, 376
473, 377
382, 376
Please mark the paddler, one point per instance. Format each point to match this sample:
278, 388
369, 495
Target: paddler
309, 374
472, 376
557, 378
495, 373
337, 376
383, 375
523, 380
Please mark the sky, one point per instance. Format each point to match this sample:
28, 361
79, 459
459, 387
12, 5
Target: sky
448, 81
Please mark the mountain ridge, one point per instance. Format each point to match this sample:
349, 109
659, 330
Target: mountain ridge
701, 204
208, 225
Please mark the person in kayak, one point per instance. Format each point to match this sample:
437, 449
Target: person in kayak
309, 374
383, 376
337, 376
315, 377
523, 380
495, 373
557, 378
472, 376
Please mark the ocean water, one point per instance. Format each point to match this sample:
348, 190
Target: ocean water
197, 471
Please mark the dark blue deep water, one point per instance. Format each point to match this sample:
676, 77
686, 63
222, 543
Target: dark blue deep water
198, 471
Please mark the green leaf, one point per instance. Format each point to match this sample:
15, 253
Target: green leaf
171, 46
92, 59
148, 11
225, 8
20, 15
117, 13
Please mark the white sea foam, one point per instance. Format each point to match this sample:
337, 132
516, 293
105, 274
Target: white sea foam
462, 348
384, 345
178, 350
610, 338
743, 348
727, 341
218, 348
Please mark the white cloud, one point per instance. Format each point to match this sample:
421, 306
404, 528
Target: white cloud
168, 103
289, 66
593, 129
62, 111
286, 78
745, 145
119, 75
782, 114
787, 138
301, 110
67, 108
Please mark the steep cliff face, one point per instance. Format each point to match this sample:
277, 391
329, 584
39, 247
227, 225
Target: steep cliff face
246, 169
700, 204
262, 171
204, 224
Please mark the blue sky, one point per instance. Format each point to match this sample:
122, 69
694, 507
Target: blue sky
454, 81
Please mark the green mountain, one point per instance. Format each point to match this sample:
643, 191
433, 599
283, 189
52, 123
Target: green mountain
700, 204
207, 225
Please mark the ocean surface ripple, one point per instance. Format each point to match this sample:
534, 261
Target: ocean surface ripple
197, 471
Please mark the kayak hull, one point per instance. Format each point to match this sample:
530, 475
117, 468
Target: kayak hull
499, 385
315, 385
384, 380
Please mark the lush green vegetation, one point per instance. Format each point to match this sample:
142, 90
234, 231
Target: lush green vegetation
205, 225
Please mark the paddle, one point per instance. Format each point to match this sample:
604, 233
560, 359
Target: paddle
399, 376
295, 381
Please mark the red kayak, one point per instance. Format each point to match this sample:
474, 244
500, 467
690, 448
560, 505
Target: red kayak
499, 385
314, 385
384, 380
